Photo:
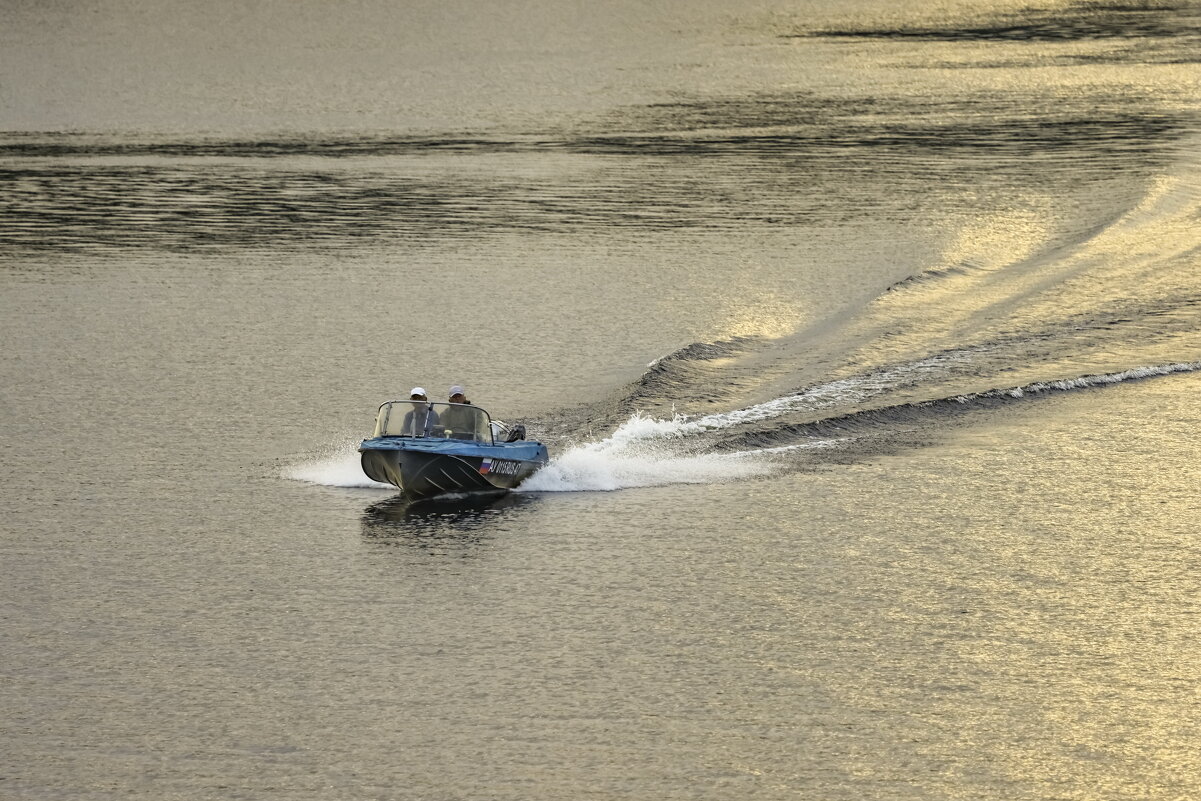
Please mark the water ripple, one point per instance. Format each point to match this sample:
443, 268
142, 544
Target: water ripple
687, 165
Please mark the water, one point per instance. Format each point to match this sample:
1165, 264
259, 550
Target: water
865, 341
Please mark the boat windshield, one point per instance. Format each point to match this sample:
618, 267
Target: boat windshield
406, 418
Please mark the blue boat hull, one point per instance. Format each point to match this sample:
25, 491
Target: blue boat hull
427, 467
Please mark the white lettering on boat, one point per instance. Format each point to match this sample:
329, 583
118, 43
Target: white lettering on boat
505, 467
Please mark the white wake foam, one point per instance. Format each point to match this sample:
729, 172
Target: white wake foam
1086, 381
641, 452
339, 467
638, 454
843, 392
854, 390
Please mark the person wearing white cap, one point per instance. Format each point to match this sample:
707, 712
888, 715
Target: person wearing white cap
456, 418
418, 422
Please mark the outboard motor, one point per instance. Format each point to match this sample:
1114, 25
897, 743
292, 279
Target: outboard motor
515, 433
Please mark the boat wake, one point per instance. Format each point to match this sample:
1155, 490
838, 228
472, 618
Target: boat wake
838, 421
835, 420
642, 452
880, 420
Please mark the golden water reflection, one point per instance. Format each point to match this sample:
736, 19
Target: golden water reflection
1018, 613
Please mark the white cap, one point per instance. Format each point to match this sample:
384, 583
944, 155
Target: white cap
417, 391
457, 390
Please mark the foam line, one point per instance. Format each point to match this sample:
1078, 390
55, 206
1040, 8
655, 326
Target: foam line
1085, 381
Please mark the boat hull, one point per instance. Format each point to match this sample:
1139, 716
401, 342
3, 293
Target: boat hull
425, 468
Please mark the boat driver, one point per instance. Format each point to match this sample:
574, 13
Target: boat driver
456, 419
423, 418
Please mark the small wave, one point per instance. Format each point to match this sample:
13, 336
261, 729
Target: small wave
704, 351
1080, 21
68, 144
1086, 381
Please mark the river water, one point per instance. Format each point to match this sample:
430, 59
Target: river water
866, 342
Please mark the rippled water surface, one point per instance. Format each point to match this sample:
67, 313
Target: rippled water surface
865, 340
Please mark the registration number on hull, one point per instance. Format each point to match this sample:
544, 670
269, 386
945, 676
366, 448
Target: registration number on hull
503, 467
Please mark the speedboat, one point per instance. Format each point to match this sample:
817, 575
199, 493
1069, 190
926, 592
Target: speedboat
427, 449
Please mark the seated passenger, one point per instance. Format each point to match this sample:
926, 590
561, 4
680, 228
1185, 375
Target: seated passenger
460, 421
422, 419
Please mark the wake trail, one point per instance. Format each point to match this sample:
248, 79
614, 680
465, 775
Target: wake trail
741, 444
645, 451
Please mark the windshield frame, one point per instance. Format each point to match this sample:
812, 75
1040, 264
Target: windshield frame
389, 421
